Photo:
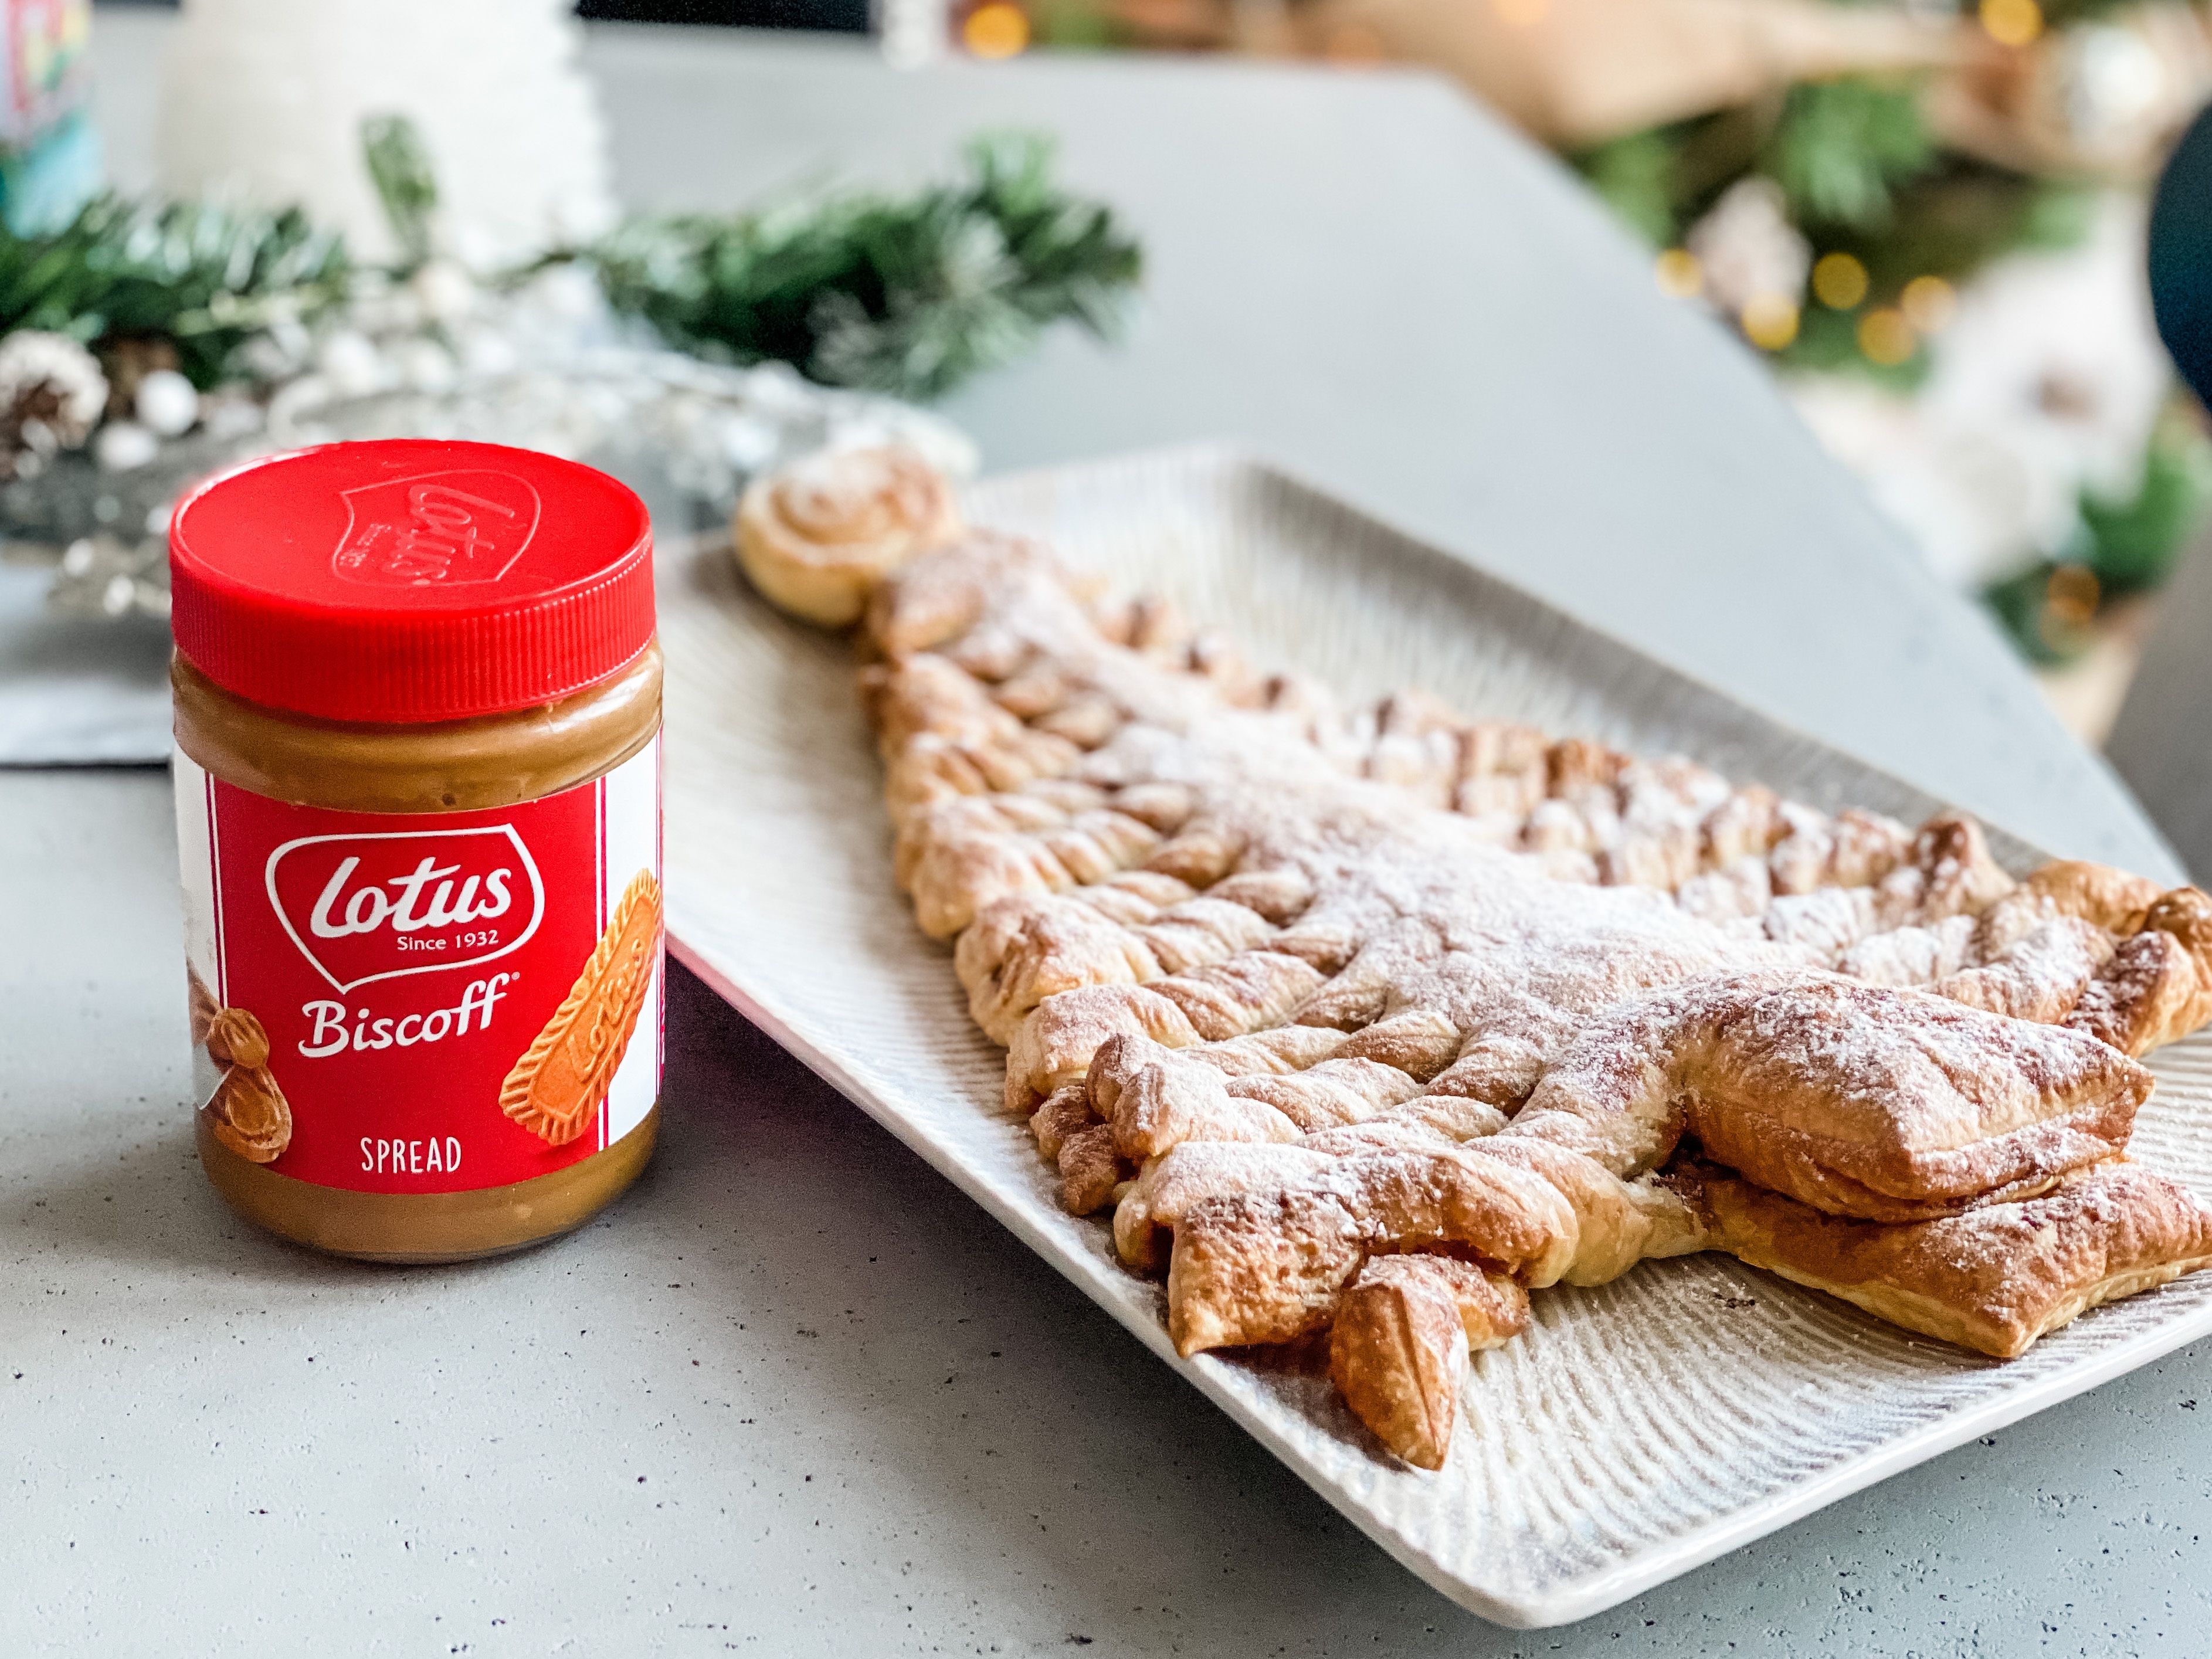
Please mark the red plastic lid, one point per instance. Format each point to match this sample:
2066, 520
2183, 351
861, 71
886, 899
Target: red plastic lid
410, 581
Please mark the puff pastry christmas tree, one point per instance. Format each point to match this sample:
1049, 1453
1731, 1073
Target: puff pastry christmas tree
1372, 1021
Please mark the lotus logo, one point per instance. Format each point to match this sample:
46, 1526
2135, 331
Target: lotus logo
436, 529
367, 908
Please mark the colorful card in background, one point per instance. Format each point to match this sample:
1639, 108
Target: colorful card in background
50, 162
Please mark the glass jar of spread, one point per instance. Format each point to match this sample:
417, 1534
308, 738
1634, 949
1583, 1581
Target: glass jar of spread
418, 808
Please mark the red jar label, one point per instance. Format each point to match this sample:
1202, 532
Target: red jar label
431, 1003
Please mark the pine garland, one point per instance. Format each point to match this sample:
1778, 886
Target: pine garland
203, 279
905, 295
909, 295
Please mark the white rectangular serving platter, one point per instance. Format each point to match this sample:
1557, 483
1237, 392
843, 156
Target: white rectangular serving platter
1639, 1429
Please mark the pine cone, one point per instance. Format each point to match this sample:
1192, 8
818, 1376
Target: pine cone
51, 395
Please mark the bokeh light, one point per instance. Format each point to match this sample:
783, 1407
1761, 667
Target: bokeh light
2011, 22
1681, 273
996, 29
2071, 601
1839, 281
1929, 303
1770, 321
1887, 337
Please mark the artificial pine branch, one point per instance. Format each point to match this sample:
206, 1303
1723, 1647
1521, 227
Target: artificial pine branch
406, 183
908, 296
201, 277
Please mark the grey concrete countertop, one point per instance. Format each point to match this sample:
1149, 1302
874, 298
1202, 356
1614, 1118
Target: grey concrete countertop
794, 1394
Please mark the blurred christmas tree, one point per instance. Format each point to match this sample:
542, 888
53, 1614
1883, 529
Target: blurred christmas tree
1841, 220
1838, 224
1926, 213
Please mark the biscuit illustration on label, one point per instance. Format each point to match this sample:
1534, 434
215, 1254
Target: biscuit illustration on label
556, 1086
234, 1037
249, 1112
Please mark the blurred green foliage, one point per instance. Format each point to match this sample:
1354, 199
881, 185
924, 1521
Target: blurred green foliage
1842, 150
204, 278
399, 166
908, 295
2123, 544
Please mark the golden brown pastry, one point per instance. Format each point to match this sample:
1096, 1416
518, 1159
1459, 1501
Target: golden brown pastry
1268, 1265
1302, 992
816, 536
1398, 1352
2158, 985
1264, 1263
1993, 1279
1889, 1105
